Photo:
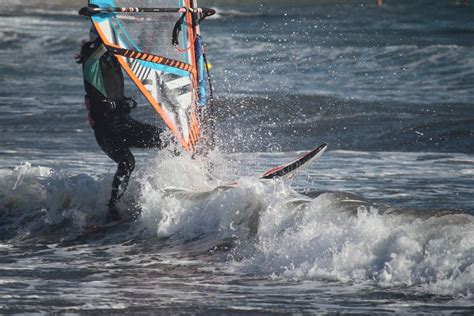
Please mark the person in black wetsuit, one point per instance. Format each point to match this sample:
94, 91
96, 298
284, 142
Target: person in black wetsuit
109, 115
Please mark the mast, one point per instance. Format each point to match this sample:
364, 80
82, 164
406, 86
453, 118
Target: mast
197, 29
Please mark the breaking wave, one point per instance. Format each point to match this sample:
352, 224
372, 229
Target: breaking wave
261, 228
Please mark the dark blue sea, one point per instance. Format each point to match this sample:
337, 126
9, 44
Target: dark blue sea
382, 223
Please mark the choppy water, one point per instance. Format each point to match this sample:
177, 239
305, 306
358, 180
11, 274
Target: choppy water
383, 223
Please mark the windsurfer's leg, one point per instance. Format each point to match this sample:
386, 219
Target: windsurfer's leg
142, 135
126, 165
117, 150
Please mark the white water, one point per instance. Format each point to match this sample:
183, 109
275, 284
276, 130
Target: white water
272, 230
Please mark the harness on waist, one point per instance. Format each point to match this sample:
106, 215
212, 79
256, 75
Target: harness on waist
104, 109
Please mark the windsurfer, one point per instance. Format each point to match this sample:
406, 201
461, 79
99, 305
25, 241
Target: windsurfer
109, 115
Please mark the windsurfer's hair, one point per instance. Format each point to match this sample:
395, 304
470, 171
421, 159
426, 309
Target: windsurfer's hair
81, 57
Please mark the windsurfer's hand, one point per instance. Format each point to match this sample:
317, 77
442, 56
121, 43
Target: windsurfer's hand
129, 104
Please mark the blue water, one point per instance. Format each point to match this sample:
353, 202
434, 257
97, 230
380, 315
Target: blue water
382, 223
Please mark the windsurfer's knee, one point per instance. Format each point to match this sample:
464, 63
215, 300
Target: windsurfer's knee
127, 163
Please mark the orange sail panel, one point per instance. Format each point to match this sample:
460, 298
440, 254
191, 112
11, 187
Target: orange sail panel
164, 73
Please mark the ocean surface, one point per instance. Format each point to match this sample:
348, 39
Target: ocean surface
382, 223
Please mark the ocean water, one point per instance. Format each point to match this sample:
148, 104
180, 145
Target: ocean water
383, 223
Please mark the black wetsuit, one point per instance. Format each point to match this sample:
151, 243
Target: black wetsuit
109, 115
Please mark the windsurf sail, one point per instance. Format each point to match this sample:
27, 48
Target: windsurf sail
158, 44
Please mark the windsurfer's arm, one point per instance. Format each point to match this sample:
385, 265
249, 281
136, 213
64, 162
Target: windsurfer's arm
129, 103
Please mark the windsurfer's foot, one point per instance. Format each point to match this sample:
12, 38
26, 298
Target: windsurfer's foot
113, 215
